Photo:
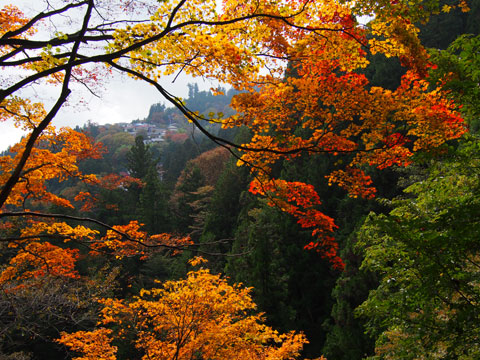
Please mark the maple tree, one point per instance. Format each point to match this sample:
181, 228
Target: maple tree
201, 316
247, 45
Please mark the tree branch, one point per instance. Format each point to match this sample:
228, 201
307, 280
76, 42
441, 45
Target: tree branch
39, 17
14, 177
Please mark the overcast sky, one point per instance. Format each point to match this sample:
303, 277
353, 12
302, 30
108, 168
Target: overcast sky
122, 100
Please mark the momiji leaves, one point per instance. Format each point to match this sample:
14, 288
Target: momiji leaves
301, 201
11, 18
87, 198
355, 181
36, 260
94, 344
129, 240
57, 159
296, 62
382, 128
200, 316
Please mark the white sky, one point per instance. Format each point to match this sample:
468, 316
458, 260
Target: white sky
122, 100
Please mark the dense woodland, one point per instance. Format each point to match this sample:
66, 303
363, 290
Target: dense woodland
402, 281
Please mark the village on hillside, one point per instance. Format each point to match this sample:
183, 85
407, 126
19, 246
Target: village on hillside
152, 133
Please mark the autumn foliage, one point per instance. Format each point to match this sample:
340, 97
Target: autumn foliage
319, 104
382, 128
202, 316
298, 66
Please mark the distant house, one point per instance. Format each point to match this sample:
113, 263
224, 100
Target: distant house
155, 139
152, 132
172, 128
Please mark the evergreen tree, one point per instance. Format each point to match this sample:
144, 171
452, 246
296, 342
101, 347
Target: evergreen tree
175, 157
184, 197
144, 200
153, 204
139, 159
346, 338
290, 284
224, 209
